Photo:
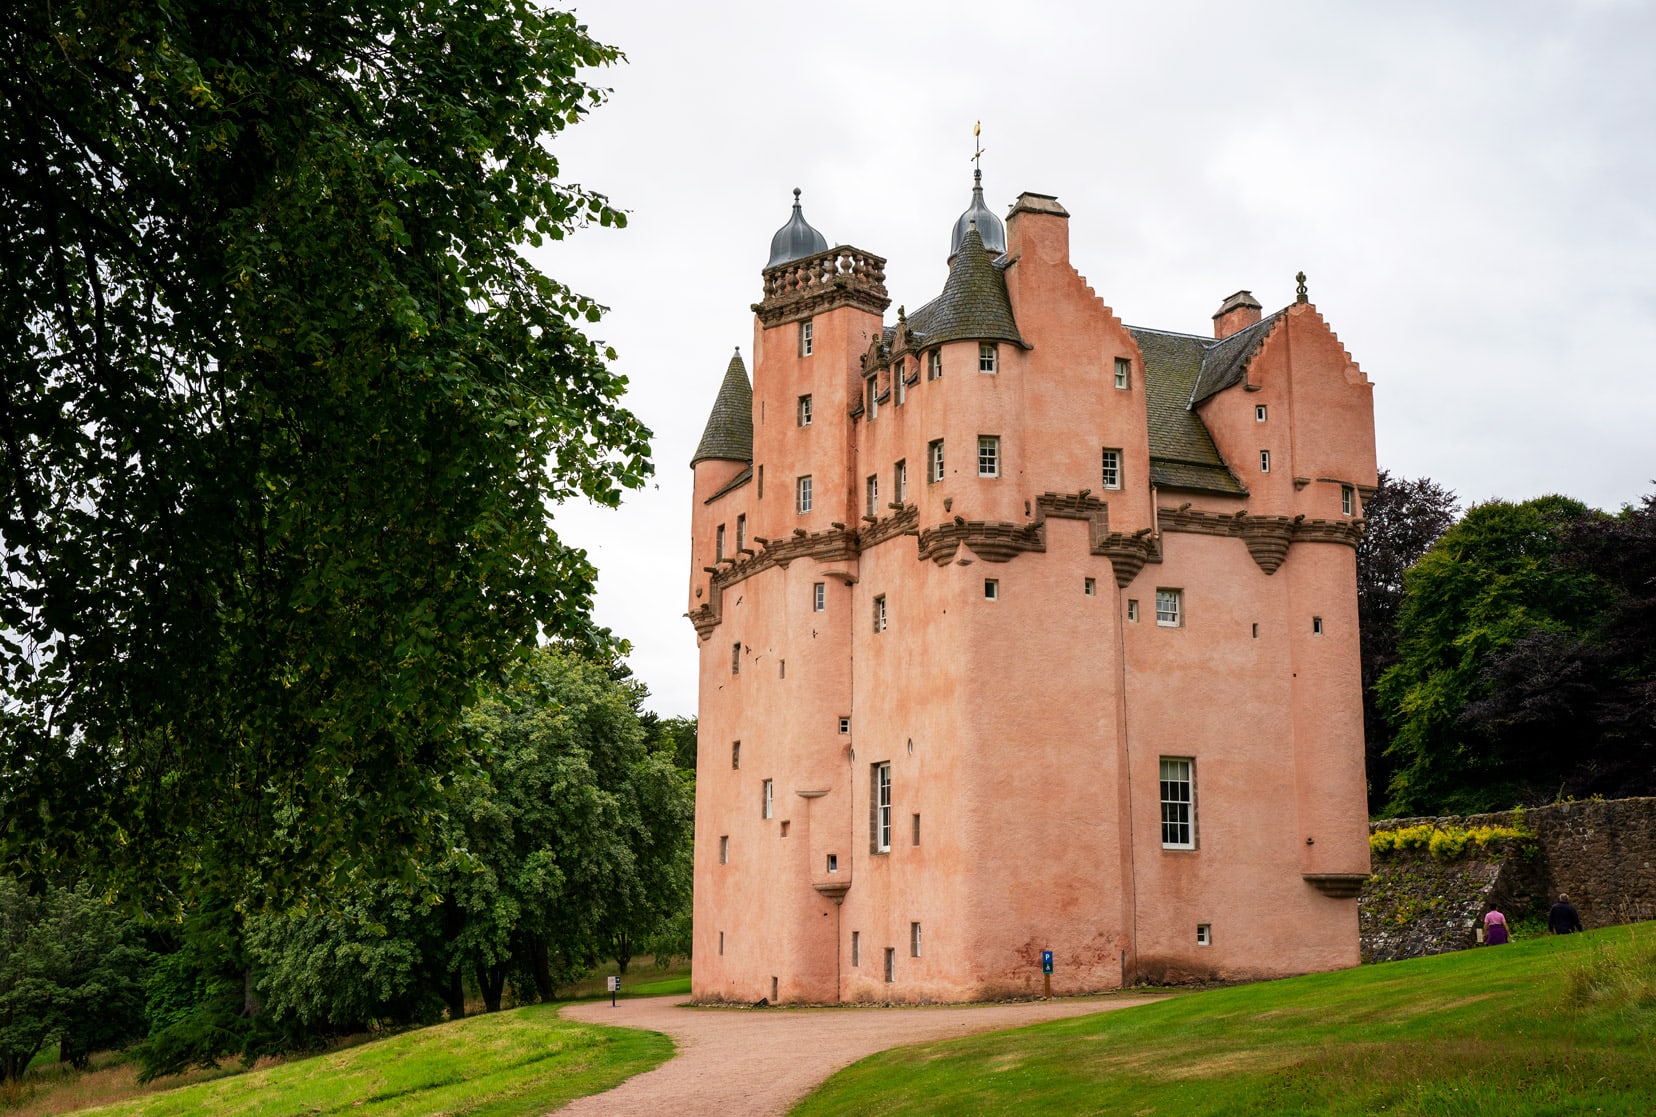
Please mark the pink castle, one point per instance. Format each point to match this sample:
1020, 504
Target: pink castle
1022, 630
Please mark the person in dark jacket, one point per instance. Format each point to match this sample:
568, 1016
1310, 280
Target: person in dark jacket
1563, 920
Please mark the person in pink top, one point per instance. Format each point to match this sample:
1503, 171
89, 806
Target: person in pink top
1495, 928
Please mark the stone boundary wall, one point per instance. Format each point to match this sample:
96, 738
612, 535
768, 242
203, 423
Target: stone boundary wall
1602, 852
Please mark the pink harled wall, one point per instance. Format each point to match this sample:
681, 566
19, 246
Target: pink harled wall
1025, 729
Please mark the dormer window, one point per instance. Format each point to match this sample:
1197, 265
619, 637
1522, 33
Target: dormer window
899, 374
988, 357
872, 407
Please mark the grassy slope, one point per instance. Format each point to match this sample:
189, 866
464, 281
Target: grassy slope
1564, 1025
521, 1062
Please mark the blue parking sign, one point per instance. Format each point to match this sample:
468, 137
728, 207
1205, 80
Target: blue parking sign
1046, 961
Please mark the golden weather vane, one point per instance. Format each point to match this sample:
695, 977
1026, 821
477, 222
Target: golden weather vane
977, 146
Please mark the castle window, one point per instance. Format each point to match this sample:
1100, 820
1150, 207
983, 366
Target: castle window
880, 801
914, 940
1178, 803
891, 964
819, 597
773, 996
736, 658
802, 495
833, 862
988, 455
1169, 608
1089, 586
916, 829
804, 411
718, 544
880, 613
1132, 609
784, 828
988, 354
769, 801
871, 488
1259, 412
1111, 468
1123, 372
1204, 934
899, 482
991, 589
1348, 500
759, 476
856, 948
844, 725
1316, 626
724, 849
807, 338
899, 374
735, 754
1264, 461
934, 461
873, 389
721, 943
934, 365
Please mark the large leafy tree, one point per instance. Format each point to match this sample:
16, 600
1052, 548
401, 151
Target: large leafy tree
1402, 519
282, 414
1486, 608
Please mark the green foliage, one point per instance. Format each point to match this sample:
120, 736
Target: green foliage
1402, 518
1451, 842
1494, 579
282, 411
71, 969
1475, 1032
504, 1065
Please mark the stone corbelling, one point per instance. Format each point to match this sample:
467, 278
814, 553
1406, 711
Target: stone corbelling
841, 276
1267, 537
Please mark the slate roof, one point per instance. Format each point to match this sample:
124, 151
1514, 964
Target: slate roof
974, 305
729, 432
1223, 362
1182, 453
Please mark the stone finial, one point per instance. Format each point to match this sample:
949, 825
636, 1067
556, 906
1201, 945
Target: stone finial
1300, 295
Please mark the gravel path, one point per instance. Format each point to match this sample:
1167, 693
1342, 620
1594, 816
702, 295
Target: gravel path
735, 1062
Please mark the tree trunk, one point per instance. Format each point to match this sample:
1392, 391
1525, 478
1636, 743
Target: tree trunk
623, 952
491, 980
453, 992
540, 967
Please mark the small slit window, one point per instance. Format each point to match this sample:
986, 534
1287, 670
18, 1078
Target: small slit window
1264, 461
991, 589
1259, 412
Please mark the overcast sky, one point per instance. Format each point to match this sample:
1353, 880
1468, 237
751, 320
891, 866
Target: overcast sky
1470, 188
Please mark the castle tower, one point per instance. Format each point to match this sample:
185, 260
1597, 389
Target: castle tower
1009, 645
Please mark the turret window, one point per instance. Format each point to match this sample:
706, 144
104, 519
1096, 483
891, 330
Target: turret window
1348, 500
988, 357
718, 543
741, 532
1264, 461
802, 495
880, 613
899, 482
988, 455
807, 338
934, 461
934, 365
804, 411
872, 493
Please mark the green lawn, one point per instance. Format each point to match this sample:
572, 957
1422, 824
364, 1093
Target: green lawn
1547, 1026
506, 1064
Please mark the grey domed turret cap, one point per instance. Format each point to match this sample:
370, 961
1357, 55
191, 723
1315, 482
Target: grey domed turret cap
989, 227
729, 432
795, 240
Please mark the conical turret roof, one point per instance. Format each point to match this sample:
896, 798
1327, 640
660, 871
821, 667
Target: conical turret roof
729, 432
974, 304
795, 240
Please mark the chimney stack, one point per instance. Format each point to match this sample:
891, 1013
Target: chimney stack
1238, 312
